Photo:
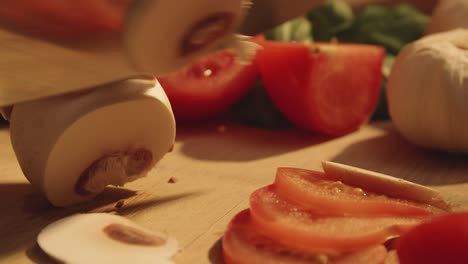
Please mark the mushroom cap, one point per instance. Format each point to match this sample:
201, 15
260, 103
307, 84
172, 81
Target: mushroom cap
57, 139
158, 32
105, 238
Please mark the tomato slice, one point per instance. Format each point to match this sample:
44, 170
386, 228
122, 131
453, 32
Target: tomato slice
328, 88
209, 86
373, 255
242, 244
313, 190
301, 229
442, 239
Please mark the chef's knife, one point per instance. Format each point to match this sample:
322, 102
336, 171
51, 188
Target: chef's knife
266, 14
159, 36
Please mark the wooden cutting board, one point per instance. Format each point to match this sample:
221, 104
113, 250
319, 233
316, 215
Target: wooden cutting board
215, 168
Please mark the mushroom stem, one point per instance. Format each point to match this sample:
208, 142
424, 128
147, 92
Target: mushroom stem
114, 169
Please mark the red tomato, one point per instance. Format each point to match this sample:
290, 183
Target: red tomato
65, 18
331, 89
298, 228
208, 86
312, 190
243, 245
373, 255
443, 239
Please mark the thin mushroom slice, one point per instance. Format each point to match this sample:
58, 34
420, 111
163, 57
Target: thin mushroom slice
105, 238
384, 184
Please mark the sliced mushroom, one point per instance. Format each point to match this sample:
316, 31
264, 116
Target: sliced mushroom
384, 184
72, 146
105, 238
162, 36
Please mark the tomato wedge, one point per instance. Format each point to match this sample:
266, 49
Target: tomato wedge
328, 88
301, 229
313, 190
209, 86
442, 239
242, 244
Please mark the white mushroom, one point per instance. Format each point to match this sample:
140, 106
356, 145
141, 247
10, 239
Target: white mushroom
73, 146
427, 91
448, 15
105, 238
384, 184
164, 35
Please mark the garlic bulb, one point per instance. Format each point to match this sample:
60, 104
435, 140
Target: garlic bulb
72, 146
448, 15
105, 238
428, 91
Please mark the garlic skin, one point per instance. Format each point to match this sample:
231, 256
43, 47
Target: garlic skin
448, 15
72, 146
105, 238
428, 91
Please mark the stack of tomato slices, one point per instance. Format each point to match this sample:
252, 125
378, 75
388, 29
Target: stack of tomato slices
311, 217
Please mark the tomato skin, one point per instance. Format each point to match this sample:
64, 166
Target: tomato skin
443, 239
332, 91
243, 245
280, 220
209, 86
314, 190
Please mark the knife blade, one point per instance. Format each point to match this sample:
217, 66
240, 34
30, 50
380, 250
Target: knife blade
265, 14
153, 42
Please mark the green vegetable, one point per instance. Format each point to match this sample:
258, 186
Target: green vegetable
390, 27
381, 111
330, 19
256, 109
298, 29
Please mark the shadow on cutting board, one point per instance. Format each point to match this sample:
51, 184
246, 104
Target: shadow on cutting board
25, 212
393, 155
240, 143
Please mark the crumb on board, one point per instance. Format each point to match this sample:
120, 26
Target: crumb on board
119, 204
172, 180
221, 129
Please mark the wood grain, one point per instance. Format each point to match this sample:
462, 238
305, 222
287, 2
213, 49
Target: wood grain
215, 169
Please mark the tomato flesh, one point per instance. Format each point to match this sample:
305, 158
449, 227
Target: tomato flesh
328, 88
306, 231
209, 86
443, 239
313, 190
243, 245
